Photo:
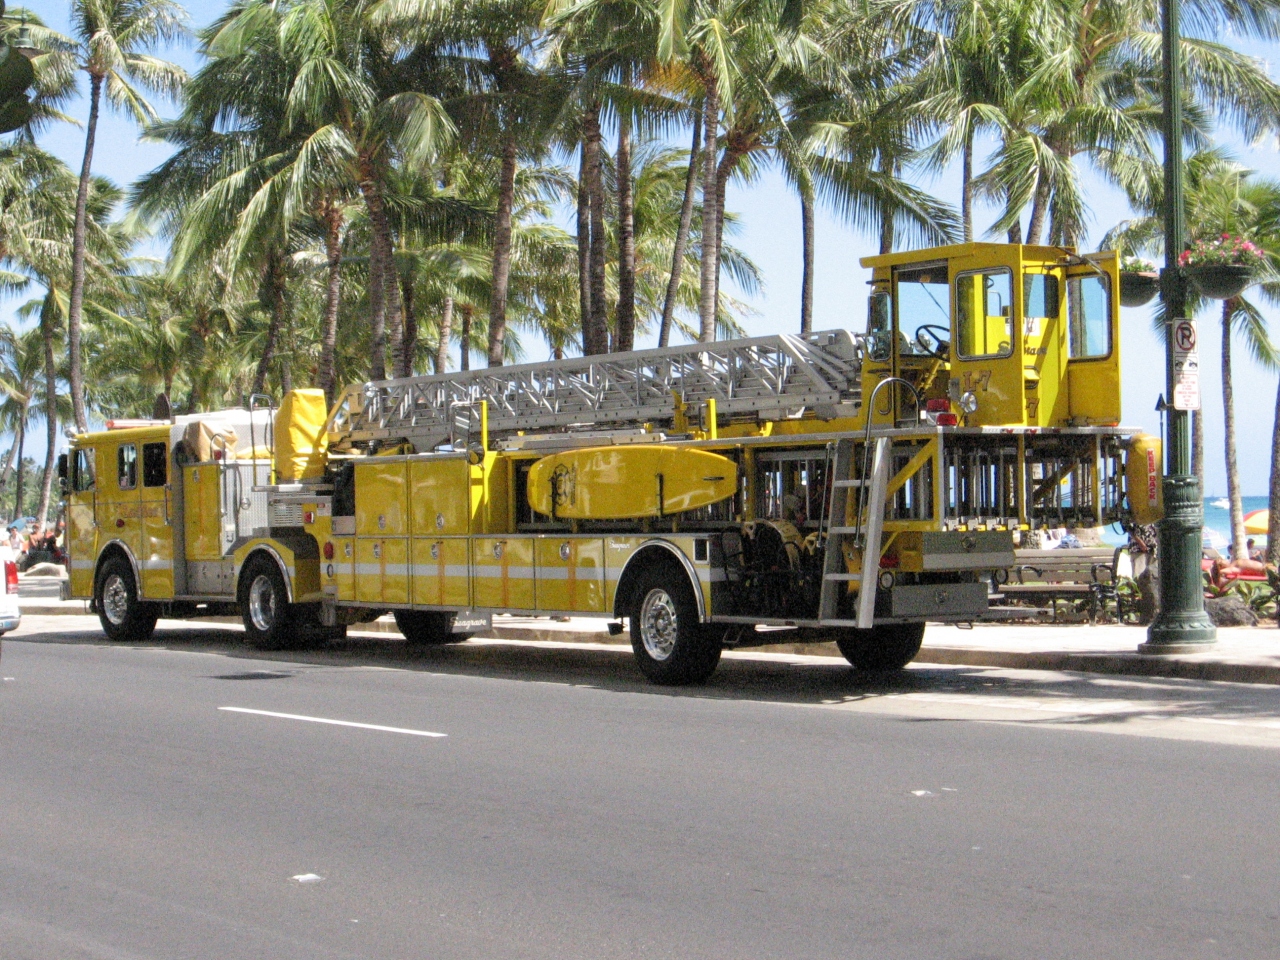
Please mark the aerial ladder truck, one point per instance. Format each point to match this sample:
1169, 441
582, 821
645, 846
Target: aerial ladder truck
849, 486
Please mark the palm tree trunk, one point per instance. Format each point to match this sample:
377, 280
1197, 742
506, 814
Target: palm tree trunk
383, 250
325, 376
50, 418
75, 373
1039, 207
1273, 490
966, 182
410, 328
584, 248
19, 484
625, 321
465, 363
7, 472
682, 235
377, 286
598, 342
710, 248
806, 279
502, 250
724, 170
446, 330
1238, 546
273, 294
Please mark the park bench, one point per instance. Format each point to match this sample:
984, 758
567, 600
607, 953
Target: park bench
1050, 577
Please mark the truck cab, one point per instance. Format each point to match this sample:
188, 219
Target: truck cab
1001, 334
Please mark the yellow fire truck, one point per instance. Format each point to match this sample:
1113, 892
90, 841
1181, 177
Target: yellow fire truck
852, 486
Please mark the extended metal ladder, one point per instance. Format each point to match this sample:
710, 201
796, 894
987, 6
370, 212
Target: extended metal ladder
859, 527
764, 378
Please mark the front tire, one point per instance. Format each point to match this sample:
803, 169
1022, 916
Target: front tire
264, 606
670, 645
123, 616
890, 646
428, 628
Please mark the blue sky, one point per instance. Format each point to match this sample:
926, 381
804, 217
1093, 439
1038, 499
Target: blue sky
770, 235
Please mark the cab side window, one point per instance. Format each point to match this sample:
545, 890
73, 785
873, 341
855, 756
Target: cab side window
127, 466
154, 466
1088, 317
984, 314
82, 474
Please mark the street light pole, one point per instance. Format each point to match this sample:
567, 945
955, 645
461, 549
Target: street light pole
1181, 625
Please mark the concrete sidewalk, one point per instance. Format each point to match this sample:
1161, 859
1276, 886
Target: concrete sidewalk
1241, 655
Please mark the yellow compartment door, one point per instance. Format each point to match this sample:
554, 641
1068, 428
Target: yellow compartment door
570, 574
502, 572
441, 577
439, 496
382, 570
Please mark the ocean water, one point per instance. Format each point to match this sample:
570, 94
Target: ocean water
1217, 522
1217, 517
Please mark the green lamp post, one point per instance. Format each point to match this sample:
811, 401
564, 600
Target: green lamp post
1182, 624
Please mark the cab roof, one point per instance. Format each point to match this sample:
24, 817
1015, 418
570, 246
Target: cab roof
956, 250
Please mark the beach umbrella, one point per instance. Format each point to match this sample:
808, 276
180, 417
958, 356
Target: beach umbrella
1255, 521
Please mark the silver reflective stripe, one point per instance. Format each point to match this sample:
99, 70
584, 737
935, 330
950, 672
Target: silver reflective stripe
512, 572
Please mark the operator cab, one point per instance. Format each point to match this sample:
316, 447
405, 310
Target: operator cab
997, 334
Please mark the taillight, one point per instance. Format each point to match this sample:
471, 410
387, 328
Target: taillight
948, 420
938, 405
328, 550
10, 577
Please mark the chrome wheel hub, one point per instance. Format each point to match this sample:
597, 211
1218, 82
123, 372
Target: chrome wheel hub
658, 624
262, 603
115, 599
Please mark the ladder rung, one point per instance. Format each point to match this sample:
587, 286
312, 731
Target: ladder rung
849, 483
847, 577
842, 530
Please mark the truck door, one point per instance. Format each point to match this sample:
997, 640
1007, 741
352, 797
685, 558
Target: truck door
82, 522
1093, 348
156, 533
987, 336
118, 500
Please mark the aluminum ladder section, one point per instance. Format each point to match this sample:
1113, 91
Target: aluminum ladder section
771, 378
864, 533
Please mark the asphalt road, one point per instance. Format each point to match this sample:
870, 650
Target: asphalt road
791, 809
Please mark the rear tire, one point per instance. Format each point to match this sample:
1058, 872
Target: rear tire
115, 593
428, 628
670, 645
890, 646
269, 621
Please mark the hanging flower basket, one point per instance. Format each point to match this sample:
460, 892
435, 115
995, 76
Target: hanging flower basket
1138, 289
1221, 267
1220, 281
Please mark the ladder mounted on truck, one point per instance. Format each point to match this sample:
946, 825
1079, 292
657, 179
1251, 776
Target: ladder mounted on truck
764, 378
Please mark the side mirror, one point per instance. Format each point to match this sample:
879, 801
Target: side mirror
62, 469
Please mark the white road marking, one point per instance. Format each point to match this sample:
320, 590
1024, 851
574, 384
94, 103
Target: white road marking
336, 723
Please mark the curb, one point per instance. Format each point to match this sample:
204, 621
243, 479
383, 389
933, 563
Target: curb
1119, 664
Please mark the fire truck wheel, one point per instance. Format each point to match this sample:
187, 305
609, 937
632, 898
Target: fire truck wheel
122, 614
264, 607
428, 628
890, 646
669, 643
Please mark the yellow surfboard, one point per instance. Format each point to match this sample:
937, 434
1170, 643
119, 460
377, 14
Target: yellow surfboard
627, 482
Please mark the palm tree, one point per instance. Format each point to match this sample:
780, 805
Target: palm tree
112, 40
